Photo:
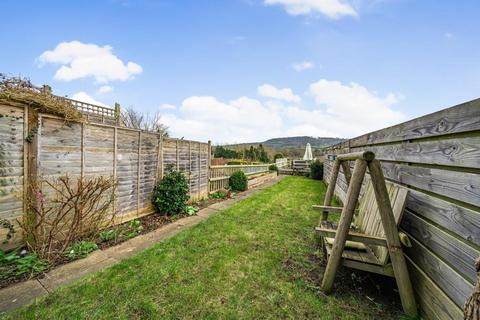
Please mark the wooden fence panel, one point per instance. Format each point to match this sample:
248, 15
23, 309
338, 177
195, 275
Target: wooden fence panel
135, 159
438, 157
219, 175
127, 170
12, 134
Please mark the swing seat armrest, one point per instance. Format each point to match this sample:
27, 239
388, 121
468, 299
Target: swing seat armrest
353, 236
328, 209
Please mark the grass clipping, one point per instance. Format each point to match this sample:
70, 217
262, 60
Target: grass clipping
18, 92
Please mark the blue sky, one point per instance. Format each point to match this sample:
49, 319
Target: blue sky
248, 70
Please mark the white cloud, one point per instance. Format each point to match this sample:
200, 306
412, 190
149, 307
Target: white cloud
167, 106
269, 91
240, 120
331, 8
104, 89
337, 110
80, 60
344, 110
302, 66
84, 97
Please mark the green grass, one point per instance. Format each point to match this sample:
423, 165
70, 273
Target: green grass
255, 260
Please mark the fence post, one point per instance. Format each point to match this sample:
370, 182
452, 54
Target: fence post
32, 148
117, 113
82, 150
190, 166
176, 155
208, 164
199, 168
115, 168
138, 169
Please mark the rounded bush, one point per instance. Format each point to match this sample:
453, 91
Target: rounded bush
316, 170
238, 181
170, 195
278, 156
273, 167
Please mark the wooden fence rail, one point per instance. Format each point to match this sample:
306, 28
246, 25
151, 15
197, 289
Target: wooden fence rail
437, 157
281, 163
219, 175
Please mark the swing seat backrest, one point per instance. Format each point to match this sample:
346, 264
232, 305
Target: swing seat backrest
367, 219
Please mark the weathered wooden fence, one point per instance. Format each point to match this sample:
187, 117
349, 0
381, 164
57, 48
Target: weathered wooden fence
281, 162
134, 158
438, 158
219, 175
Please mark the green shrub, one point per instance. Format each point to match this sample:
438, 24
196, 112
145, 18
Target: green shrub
278, 156
13, 264
30, 264
170, 195
273, 167
238, 181
108, 235
316, 170
191, 210
80, 249
221, 194
133, 229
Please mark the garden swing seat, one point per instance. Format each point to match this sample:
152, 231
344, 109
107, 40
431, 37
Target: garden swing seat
372, 242
366, 245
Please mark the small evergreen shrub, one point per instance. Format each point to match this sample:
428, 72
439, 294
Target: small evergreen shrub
221, 194
273, 167
170, 195
80, 249
238, 181
316, 170
278, 156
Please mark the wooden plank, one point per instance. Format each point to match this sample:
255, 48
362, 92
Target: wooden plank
391, 233
458, 151
461, 118
454, 285
330, 190
25, 158
453, 217
456, 253
434, 303
344, 225
329, 209
385, 270
199, 169
462, 186
115, 170
138, 169
353, 236
177, 161
82, 150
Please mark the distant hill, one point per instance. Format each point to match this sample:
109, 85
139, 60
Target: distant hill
301, 142
295, 142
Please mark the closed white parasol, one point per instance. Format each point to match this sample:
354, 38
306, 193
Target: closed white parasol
308, 153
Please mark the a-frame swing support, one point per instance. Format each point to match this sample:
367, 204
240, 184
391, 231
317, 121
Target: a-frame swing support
362, 161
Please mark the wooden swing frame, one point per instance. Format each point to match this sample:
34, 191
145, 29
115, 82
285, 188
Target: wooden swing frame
354, 180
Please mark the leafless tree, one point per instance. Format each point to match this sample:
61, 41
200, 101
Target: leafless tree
132, 118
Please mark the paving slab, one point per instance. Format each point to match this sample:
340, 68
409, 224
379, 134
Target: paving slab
69, 272
20, 294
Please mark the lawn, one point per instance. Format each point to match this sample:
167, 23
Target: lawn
255, 260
